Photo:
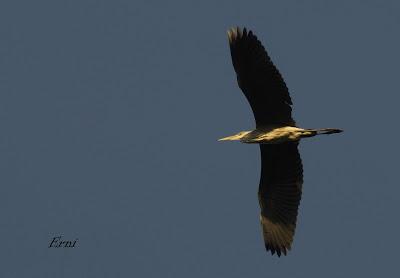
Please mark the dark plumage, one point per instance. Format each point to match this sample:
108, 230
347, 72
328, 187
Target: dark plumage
259, 79
279, 194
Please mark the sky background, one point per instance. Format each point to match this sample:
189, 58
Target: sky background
110, 113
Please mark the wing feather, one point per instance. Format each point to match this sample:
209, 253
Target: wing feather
259, 79
279, 194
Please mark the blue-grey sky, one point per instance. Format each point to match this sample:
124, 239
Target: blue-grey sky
110, 113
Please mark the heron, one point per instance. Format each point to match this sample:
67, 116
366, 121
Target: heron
281, 180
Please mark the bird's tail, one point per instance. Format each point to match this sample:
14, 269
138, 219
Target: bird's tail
327, 131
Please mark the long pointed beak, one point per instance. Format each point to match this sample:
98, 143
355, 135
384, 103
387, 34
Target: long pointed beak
229, 138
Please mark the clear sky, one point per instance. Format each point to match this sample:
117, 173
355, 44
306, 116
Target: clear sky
110, 113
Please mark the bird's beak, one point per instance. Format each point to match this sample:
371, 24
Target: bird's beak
229, 138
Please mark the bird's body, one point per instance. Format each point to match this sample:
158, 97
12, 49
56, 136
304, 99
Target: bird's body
277, 135
276, 132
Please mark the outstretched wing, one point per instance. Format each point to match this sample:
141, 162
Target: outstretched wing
279, 194
259, 80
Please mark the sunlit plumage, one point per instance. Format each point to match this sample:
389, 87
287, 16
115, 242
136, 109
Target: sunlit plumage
281, 179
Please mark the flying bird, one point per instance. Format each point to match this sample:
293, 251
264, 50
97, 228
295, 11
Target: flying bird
276, 132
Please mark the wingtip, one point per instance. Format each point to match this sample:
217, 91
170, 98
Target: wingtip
278, 250
232, 34
235, 33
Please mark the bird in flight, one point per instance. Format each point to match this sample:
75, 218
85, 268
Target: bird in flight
276, 132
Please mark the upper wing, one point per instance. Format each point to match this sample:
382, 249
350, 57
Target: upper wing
259, 79
279, 194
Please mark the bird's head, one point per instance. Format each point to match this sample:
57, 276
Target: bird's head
235, 137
